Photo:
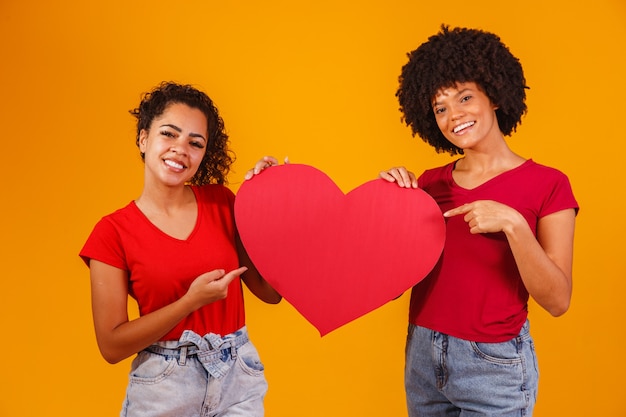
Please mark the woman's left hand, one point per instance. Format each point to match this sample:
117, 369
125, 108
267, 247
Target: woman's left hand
263, 163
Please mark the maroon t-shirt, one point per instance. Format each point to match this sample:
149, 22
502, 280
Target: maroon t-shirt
475, 291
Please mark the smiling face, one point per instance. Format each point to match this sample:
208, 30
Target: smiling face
174, 145
466, 116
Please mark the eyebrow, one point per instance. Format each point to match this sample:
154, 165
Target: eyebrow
179, 130
460, 93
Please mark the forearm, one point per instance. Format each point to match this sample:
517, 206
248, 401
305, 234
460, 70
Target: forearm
253, 279
261, 288
549, 283
130, 337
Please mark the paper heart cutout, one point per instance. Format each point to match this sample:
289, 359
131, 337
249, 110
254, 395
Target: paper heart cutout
334, 256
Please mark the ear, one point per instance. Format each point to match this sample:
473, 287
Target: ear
143, 138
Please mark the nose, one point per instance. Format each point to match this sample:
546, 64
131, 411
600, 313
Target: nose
456, 113
178, 148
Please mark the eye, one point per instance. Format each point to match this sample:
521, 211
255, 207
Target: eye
197, 144
167, 133
439, 110
465, 98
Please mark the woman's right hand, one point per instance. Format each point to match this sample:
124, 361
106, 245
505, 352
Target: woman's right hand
401, 176
211, 286
118, 337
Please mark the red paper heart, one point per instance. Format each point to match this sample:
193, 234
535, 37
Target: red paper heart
336, 256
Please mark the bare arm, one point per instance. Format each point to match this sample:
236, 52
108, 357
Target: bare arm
546, 266
119, 338
544, 262
253, 279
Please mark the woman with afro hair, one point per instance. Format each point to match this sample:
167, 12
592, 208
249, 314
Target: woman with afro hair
509, 232
176, 251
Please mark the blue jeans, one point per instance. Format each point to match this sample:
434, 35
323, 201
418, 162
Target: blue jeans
447, 376
197, 376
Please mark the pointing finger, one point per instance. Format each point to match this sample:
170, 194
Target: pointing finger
458, 210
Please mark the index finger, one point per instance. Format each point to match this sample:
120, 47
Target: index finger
458, 210
227, 278
236, 272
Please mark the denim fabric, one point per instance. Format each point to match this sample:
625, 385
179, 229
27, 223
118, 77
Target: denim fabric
447, 376
197, 376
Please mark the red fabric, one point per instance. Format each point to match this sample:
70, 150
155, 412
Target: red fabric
161, 267
475, 291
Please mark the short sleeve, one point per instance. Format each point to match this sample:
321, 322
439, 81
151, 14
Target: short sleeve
104, 245
560, 196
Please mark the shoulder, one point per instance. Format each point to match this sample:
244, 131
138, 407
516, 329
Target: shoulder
212, 190
552, 183
432, 175
113, 226
214, 195
543, 176
105, 242
123, 215
534, 168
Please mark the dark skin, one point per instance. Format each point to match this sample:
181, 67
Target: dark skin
467, 118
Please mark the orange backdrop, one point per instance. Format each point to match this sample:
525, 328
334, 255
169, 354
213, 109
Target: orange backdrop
314, 81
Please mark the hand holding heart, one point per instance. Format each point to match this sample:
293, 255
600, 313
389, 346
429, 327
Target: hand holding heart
336, 256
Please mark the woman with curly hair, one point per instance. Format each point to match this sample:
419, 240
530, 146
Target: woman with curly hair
176, 251
509, 232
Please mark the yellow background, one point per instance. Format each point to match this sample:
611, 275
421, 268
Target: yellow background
315, 81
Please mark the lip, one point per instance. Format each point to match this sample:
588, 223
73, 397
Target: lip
174, 164
461, 128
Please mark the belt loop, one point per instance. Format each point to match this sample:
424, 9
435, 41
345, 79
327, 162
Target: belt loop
182, 359
233, 350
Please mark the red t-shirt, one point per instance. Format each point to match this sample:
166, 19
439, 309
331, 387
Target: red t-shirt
161, 268
475, 291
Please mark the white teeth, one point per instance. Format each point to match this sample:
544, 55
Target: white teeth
460, 127
174, 164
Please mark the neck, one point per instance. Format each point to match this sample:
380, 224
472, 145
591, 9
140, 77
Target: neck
496, 157
164, 198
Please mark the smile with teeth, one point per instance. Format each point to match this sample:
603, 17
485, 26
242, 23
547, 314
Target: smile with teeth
173, 164
460, 127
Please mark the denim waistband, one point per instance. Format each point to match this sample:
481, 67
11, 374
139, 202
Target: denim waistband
214, 352
191, 344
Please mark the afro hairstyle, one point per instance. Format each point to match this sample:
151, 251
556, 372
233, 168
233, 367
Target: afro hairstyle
456, 56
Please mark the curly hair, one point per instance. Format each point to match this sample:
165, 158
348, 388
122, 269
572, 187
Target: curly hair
217, 159
455, 56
